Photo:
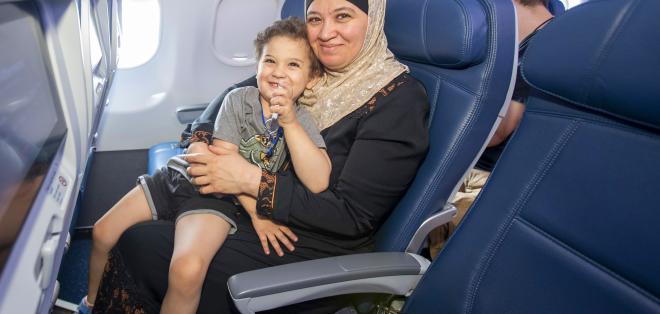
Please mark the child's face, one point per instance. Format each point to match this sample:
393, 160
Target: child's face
283, 61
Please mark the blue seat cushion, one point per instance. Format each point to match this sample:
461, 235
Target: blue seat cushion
556, 7
160, 153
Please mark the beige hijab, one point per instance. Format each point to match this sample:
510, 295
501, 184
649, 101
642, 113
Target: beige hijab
339, 93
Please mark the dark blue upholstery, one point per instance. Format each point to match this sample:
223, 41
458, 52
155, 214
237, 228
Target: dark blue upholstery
462, 51
293, 8
556, 7
595, 71
447, 34
568, 221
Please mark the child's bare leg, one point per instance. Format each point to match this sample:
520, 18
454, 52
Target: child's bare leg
196, 240
131, 209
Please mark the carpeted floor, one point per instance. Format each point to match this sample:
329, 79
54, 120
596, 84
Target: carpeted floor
73, 272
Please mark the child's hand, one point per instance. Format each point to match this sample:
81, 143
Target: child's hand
283, 104
198, 148
269, 231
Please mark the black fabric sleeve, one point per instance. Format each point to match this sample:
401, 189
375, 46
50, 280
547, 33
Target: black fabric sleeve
390, 143
202, 128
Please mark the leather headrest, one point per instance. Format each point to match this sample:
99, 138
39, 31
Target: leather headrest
556, 7
602, 55
293, 8
448, 34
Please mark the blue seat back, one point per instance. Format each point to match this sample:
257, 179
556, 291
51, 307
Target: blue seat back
556, 7
293, 8
568, 221
463, 52
160, 153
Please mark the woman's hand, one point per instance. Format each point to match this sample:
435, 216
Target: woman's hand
223, 171
198, 148
269, 231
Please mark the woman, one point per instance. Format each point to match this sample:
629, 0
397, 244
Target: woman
373, 119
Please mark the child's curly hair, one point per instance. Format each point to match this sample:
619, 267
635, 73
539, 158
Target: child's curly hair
293, 28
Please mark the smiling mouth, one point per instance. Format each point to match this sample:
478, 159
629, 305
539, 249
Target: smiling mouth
329, 47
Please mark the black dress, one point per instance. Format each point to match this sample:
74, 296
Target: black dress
375, 152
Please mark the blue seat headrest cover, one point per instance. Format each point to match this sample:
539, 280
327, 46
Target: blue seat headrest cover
447, 34
293, 8
600, 68
556, 7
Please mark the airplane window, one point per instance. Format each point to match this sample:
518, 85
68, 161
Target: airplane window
236, 48
140, 32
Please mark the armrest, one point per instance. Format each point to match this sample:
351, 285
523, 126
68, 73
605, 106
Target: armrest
273, 287
438, 219
188, 114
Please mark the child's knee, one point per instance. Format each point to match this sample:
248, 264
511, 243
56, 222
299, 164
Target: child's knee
187, 272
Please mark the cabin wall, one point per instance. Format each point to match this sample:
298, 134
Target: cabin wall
204, 46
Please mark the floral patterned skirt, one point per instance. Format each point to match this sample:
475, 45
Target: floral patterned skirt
119, 293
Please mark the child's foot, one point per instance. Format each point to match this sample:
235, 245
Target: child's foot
84, 307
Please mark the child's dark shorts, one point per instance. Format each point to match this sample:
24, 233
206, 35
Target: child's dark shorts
171, 196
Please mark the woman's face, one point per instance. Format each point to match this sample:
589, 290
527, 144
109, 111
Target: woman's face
336, 30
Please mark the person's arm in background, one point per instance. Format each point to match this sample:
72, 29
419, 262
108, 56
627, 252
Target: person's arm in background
531, 15
509, 123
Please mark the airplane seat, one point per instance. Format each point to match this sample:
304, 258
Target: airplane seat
556, 7
568, 220
160, 153
293, 8
463, 52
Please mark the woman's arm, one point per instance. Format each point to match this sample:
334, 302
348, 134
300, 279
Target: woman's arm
508, 124
249, 203
224, 172
267, 230
390, 143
